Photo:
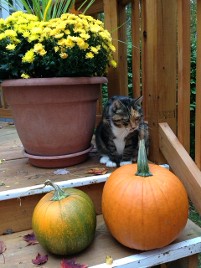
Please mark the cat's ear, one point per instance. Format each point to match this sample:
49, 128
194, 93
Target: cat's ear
116, 104
138, 101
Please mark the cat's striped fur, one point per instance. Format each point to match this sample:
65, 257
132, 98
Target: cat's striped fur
118, 133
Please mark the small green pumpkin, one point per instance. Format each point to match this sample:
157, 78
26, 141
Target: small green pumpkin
64, 222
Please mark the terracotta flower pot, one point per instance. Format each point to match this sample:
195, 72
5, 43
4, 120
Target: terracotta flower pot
54, 117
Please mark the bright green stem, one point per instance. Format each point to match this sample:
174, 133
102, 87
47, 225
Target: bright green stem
58, 192
142, 162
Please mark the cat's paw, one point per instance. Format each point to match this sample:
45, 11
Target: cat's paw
110, 164
104, 159
123, 163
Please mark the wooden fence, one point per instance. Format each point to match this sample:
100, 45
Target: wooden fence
160, 32
161, 64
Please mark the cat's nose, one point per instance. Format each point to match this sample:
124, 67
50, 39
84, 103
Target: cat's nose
133, 126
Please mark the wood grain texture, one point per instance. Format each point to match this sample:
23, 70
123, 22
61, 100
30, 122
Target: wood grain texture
159, 68
198, 90
136, 65
181, 163
18, 253
184, 73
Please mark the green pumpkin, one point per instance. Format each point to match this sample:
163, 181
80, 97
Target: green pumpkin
64, 222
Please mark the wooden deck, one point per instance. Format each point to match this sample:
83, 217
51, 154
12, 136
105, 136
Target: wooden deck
16, 172
17, 204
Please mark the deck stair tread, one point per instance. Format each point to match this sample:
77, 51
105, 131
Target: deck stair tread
16, 175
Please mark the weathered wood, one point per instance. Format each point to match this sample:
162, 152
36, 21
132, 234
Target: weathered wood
136, 66
159, 68
184, 73
181, 163
103, 245
198, 91
122, 48
16, 172
17, 212
111, 24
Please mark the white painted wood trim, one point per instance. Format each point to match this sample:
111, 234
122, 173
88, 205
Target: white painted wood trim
155, 257
39, 189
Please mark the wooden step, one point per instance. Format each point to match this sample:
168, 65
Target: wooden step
21, 187
18, 253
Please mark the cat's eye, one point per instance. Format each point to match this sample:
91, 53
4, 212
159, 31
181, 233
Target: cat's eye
126, 122
137, 118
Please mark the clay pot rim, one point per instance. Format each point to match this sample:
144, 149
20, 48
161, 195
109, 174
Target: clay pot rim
56, 157
54, 81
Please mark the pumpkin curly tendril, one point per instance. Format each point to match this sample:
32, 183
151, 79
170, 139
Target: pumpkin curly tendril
59, 194
142, 162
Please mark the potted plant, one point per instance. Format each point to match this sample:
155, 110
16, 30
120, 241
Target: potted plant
52, 69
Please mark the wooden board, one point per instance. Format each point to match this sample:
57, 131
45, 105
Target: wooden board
181, 163
18, 253
16, 172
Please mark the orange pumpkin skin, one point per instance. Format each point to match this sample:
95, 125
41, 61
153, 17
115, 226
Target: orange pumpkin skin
144, 213
65, 226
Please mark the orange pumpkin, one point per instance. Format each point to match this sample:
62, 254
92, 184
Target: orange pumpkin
144, 207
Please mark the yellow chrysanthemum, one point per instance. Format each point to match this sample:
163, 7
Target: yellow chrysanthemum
29, 56
95, 28
10, 33
11, 47
2, 36
26, 34
112, 47
82, 44
113, 63
68, 36
25, 76
94, 50
63, 55
69, 42
85, 35
58, 36
89, 55
39, 49
56, 48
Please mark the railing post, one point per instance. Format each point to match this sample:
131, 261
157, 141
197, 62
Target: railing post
184, 73
115, 18
159, 68
198, 91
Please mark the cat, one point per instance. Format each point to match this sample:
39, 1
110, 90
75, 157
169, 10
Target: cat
118, 133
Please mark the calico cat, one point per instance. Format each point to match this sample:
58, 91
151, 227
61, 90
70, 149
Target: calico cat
119, 131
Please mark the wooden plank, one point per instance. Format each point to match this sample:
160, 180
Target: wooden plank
136, 66
5, 113
16, 172
184, 73
122, 51
159, 68
198, 90
111, 24
40, 189
181, 163
188, 243
17, 213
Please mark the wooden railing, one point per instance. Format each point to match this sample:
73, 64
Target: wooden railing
160, 33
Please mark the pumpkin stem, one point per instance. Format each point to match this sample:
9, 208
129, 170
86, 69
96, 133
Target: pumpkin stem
58, 192
142, 162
